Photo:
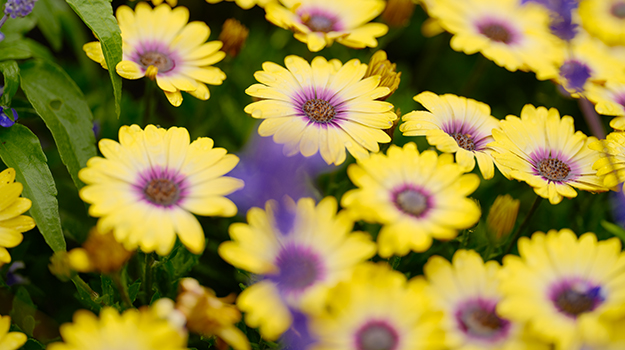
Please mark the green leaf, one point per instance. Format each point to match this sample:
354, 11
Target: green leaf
15, 47
11, 73
20, 149
133, 290
614, 229
23, 311
98, 16
63, 108
49, 23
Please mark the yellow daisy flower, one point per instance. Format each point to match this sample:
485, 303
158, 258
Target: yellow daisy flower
299, 251
158, 43
244, 4
567, 289
413, 196
147, 186
545, 151
10, 340
457, 125
12, 223
377, 309
611, 167
604, 19
466, 290
134, 329
609, 99
513, 35
586, 61
321, 107
318, 23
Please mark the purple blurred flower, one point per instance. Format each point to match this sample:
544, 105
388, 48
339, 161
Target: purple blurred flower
14, 278
19, 8
576, 74
298, 337
617, 202
561, 17
5, 120
268, 174
1, 36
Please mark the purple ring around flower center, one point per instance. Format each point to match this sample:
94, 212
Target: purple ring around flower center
618, 10
319, 106
376, 335
477, 318
412, 200
466, 137
497, 30
319, 19
299, 267
155, 54
553, 166
161, 187
574, 297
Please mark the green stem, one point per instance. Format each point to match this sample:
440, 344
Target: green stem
80, 283
523, 225
147, 276
120, 283
148, 98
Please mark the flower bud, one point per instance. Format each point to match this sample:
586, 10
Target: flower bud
502, 217
380, 65
233, 35
100, 253
398, 12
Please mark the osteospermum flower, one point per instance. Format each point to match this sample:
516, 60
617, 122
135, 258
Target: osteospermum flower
413, 196
133, 329
147, 186
609, 99
12, 223
321, 107
457, 125
466, 290
604, 19
319, 23
377, 309
299, 251
611, 167
545, 151
513, 35
10, 340
567, 289
158, 43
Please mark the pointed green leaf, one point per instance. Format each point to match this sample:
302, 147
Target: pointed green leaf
614, 229
62, 106
20, 149
11, 73
98, 16
49, 23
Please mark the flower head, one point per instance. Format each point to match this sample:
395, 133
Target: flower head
233, 35
12, 223
545, 151
457, 125
147, 186
298, 252
319, 23
10, 340
562, 23
19, 8
210, 316
321, 107
609, 99
413, 196
610, 166
133, 329
567, 289
513, 35
5, 120
100, 253
378, 309
466, 290
604, 19
158, 43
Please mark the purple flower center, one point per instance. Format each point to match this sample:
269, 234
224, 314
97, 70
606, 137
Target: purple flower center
319, 111
618, 10
576, 74
574, 299
412, 201
299, 268
464, 141
496, 32
161, 187
159, 60
553, 169
319, 22
479, 319
376, 335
